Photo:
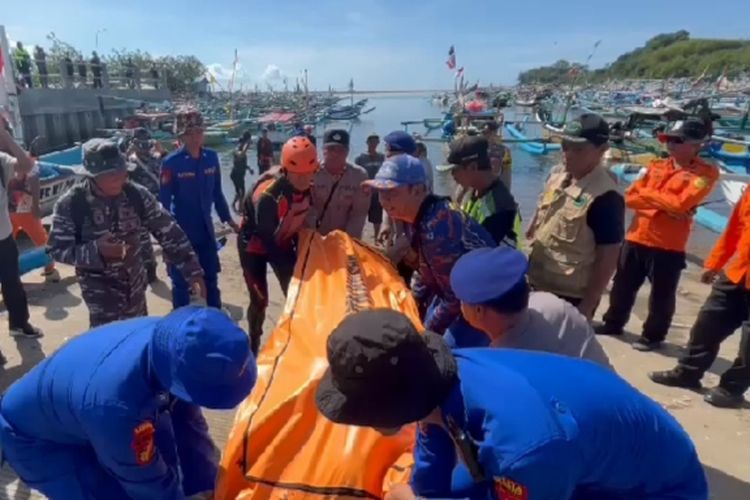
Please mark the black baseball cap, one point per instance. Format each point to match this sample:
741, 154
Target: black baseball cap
382, 372
465, 149
588, 127
693, 130
336, 136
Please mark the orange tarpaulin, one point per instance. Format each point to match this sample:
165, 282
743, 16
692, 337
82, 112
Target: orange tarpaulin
280, 445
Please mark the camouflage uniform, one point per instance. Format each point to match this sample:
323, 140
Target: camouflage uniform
146, 173
116, 290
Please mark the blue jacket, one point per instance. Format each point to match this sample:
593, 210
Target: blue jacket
440, 235
549, 427
190, 188
97, 391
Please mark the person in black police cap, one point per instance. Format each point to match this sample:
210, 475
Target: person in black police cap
338, 200
336, 136
383, 373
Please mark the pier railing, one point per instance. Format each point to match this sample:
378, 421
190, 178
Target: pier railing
81, 75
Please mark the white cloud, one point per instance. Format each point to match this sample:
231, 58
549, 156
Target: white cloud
224, 72
272, 73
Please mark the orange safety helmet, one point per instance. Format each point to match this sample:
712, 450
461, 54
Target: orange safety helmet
299, 156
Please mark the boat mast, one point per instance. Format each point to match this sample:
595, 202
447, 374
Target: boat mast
231, 86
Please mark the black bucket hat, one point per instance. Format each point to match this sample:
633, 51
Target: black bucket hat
383, 373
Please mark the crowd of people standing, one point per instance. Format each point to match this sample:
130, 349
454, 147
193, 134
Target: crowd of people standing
574, 429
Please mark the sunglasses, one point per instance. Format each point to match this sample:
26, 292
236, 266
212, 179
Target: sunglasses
675, 140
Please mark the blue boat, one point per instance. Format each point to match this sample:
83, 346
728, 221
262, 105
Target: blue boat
535, 148
56, 175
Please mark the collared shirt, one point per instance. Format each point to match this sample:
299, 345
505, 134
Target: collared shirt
339, 202
8, 165
664, 199
190, 187
551, 324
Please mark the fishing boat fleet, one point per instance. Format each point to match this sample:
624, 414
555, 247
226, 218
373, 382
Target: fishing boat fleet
533, 118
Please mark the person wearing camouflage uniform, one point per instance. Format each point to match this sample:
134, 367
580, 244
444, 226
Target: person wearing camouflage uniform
97, 227
144, 162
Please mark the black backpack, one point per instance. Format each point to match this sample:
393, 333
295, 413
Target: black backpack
80, 208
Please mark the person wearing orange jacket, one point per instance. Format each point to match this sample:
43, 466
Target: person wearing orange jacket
726, 309
273, 212
664, 201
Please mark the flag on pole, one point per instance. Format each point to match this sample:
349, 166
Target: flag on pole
460, 72
451, 62
2, 62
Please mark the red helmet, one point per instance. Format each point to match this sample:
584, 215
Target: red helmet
299, 156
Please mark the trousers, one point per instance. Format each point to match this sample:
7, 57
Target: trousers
726, 309
14, 296
254, 269
208, 256
662, 268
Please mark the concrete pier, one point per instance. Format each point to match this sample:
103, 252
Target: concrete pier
65, 116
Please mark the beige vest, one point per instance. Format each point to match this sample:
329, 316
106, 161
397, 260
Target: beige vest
563, 250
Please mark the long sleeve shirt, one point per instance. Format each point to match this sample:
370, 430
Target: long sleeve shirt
663, 201
190, 188
732, 250
440, 235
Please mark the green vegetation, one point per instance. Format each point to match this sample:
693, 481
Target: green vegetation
670, 55
181, 71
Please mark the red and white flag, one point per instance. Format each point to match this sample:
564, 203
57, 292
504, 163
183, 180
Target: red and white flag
2, 62
451, 62
460, 72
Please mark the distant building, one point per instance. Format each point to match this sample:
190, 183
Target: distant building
201, 86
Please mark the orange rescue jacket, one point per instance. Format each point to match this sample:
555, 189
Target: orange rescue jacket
734, 242
664, 201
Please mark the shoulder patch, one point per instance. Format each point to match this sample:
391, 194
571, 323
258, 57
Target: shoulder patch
166, 176
507, 489
700, 183
143, 443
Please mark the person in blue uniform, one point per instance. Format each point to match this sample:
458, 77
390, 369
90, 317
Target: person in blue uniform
115, 413
524, 425
190, 186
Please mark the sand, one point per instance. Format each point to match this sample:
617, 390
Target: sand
721, 436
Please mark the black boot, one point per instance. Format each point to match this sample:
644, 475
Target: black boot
255, 328
675, 378
608, 329
724, 398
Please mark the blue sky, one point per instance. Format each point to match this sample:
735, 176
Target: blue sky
383, 44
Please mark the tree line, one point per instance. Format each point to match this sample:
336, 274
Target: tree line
668, 55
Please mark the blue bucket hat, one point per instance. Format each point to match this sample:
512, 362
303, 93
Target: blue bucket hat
401, 170
400, 142
199, 355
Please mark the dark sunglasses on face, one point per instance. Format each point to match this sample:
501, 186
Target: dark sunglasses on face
675, 140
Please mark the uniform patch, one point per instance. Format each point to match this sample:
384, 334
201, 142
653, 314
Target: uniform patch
507, 489
185, 175
166, 176
700, 182
143, 443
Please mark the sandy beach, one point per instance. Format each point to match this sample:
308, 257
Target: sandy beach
721, 436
